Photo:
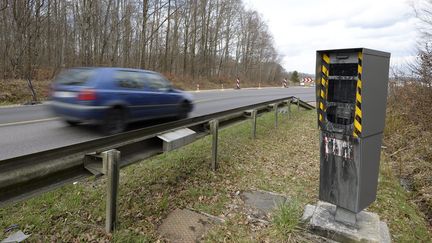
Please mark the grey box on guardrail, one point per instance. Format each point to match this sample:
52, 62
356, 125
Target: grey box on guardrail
351, 101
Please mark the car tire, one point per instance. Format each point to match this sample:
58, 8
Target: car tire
184, 110
72, 123
114, 121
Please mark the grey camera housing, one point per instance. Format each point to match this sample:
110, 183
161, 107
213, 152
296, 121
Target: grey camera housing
351, 102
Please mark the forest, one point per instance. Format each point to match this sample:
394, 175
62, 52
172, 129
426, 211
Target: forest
211, 40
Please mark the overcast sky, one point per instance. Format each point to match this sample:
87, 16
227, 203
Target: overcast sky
300, 27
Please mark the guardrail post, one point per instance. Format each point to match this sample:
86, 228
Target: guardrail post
276, 114
214, 128
111, 159
254, 123
289, 108
298, 104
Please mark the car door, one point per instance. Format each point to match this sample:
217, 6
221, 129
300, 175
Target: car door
163, 101
130, 91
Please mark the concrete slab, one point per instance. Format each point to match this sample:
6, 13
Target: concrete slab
312, 238
308, 212
183, 225
263, 201
18, 236
385, 232
322, 222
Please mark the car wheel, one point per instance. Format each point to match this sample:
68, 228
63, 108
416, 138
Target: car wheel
72, 123
114, 122
184, 110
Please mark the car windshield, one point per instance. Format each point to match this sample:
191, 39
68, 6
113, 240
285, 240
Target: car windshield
74, 76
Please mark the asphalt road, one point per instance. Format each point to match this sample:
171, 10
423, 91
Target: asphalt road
30, 129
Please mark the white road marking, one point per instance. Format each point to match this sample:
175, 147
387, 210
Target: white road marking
28, 122
56, 118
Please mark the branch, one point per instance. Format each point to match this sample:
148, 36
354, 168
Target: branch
157, 29
6, 5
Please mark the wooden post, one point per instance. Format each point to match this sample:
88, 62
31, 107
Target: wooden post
254, 123
111, 159
289, 108
214, 128
276, 114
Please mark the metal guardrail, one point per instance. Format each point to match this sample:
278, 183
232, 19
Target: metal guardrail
29, 175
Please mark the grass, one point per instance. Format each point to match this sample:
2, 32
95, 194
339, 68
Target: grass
286, 220
407, 223
284, 160
408, 139
17, 91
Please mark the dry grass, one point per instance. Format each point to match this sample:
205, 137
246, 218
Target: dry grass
189, 83
283, 160
408, 137
18, 92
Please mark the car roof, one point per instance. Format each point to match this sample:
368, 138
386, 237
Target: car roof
115, 69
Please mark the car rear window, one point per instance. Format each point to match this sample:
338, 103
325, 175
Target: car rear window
74, 76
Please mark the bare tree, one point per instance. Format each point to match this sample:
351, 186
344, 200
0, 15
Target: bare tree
198, 38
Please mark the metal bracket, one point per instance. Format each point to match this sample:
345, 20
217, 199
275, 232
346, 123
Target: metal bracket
176, 139
94, 163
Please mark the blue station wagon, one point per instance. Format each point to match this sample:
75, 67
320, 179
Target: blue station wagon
114, 97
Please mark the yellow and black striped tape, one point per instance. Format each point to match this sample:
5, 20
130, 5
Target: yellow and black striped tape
323, 88
358, 112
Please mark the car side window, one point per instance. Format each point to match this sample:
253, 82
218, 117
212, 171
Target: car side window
156, 82
130, 80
